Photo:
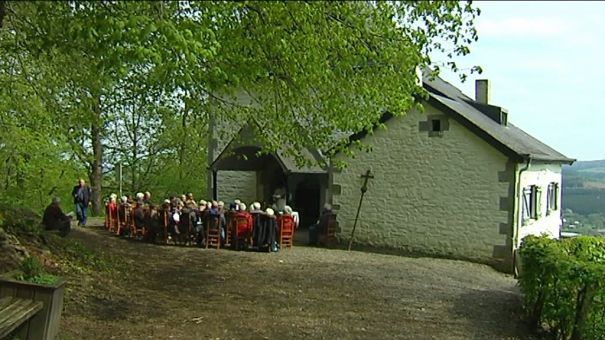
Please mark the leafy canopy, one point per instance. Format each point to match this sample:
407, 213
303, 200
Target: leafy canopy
308, 73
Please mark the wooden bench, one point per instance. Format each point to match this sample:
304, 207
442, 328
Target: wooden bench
14, 312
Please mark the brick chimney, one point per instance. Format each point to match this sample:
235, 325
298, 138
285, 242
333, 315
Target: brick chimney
482, 103
482, 91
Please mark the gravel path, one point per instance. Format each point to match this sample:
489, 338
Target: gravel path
169, 292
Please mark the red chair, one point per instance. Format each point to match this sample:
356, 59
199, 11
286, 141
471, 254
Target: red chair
112, 217
241, 230
286, 227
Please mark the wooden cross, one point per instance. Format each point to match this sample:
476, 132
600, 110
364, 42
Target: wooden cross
368, 175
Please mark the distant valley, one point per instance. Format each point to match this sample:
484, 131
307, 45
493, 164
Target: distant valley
584, 197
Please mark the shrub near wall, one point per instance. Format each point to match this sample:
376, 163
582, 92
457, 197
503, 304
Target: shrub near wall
563, 285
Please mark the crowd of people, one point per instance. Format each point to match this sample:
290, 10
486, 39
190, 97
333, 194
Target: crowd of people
183, 220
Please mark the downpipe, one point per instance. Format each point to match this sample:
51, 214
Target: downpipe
516, 232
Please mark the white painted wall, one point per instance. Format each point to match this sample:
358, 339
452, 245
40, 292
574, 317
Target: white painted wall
438, 195
549, 222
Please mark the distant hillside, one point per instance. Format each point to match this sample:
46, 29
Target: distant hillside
584, 187
585, 174
591, 166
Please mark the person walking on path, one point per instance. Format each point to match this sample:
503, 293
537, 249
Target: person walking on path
81, 194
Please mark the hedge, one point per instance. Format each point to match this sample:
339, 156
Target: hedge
563, 286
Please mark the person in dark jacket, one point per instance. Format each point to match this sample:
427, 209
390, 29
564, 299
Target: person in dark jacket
55, 219
82, 195
320, 227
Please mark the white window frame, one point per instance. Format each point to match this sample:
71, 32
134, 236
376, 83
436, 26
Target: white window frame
530, 204
552, 198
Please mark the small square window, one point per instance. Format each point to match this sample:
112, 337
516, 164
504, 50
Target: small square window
436, 125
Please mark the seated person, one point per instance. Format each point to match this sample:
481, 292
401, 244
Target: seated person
147, 198
288, 212
112, 209
243, 231
54, 218
139, 215
271, 236
154, 224
320, 227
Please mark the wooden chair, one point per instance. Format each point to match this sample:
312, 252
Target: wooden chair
164, 217
286, 231
135, 229
111, 219
229, 228
123, 219
107, 217
330, 232
213, 232
186, 229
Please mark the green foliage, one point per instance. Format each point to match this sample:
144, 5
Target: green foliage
75, 258
17, 220
562, 285
97, 83
31, 270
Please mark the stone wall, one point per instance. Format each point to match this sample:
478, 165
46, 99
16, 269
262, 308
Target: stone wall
433, 193
232, 185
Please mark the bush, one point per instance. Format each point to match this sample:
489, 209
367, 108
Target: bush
32, 271
19, 221
563, 285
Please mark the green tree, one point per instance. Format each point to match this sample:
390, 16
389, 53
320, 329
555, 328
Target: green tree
312, 71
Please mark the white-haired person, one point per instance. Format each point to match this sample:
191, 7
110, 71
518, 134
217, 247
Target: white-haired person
243, 223
111, 212
320, 227
147, 198
288, 211
123, 213
271, 222
265, 230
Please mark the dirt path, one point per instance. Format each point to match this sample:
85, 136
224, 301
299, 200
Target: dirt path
162, 292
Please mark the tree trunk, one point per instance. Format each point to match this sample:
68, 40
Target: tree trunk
2, 12
96, 171
211, 149
183, 144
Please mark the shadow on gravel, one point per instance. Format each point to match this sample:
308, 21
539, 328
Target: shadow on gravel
486, 309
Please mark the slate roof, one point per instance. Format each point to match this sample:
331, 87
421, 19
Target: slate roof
508, 138
241, 154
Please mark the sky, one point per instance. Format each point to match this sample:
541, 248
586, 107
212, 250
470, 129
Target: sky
545, 64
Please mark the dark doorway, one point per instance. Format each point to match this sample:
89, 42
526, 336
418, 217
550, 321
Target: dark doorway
306, 201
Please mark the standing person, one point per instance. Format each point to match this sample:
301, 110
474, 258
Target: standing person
81, 194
